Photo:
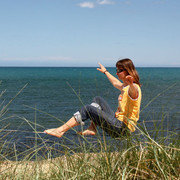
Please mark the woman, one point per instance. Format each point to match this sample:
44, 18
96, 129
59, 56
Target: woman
124, 119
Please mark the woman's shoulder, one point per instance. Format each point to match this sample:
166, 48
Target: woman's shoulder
137, 85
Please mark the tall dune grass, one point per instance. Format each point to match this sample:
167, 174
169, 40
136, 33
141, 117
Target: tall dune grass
142, 155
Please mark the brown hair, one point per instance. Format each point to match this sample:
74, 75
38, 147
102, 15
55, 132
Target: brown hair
128, 65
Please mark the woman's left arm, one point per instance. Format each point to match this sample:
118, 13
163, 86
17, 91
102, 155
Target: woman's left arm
133, 89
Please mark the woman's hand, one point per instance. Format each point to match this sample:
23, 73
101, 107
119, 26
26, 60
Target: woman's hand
102, 68
129, 80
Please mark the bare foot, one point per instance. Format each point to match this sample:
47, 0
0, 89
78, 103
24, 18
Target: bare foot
91, 130
88, 132
54, 132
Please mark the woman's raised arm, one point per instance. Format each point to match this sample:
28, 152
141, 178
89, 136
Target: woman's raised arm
114, 81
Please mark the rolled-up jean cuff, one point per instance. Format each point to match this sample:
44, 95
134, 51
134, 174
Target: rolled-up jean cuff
78, 118
96, 105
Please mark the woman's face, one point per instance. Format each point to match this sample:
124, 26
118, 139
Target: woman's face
121, 73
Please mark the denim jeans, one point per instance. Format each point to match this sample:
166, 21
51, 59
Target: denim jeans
102, 115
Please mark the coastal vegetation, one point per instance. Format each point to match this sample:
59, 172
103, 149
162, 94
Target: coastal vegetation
146, 154
138, 156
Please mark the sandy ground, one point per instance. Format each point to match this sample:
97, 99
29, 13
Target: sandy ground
43, 166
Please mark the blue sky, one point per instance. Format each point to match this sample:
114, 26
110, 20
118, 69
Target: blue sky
85, 32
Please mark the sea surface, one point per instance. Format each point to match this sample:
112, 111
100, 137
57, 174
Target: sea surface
38, 98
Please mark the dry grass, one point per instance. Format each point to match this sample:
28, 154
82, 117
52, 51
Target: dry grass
128, 164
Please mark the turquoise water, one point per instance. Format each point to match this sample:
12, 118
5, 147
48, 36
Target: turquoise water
57, 93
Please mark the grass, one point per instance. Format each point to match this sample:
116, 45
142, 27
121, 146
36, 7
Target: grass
137, 160
143, 155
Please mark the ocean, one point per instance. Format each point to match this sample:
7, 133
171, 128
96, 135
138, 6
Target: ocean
45, 97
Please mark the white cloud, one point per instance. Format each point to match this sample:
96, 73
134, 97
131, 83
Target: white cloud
105, 2
87, 5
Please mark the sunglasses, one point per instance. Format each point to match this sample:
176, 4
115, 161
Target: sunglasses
119, 70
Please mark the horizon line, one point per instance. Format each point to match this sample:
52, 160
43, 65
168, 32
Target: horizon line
86, 66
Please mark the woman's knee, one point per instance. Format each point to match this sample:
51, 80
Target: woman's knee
98, 99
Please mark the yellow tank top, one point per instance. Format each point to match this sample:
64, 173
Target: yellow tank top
128, 108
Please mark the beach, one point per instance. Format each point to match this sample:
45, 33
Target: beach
128, 164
